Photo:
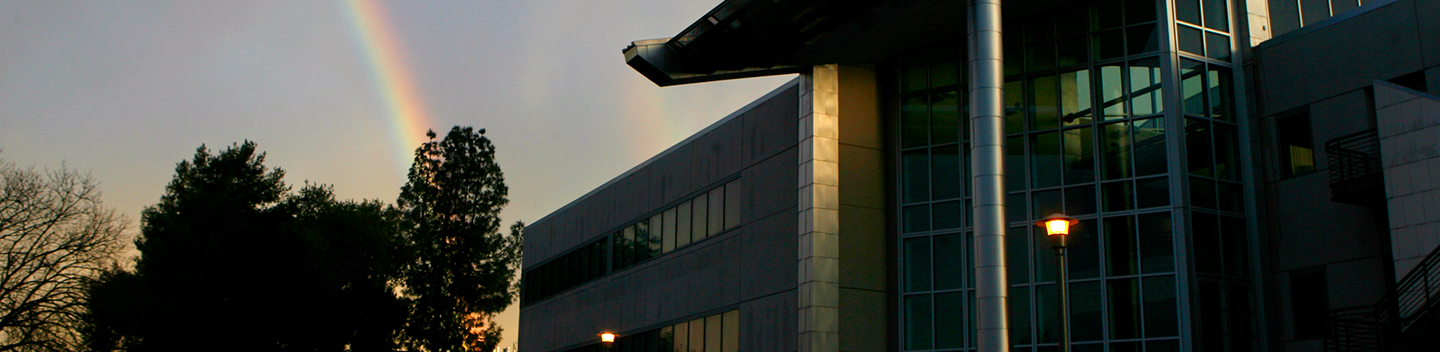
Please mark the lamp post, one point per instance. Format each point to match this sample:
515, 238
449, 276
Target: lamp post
607, 340
1057, 226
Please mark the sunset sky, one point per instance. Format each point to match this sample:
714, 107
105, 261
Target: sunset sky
341, 92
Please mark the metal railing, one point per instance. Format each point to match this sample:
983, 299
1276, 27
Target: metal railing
1353, 156
1369, 328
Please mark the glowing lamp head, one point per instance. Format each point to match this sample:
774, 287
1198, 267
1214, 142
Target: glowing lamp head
607, 337
1057, 224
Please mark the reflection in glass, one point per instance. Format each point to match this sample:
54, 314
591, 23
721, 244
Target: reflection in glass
1118, 196
1045, 160
1149, 148
1216, 16
1218, 85
717, 211
1109, 44
1019, 303
949, 326
1232, 237
1072, 52
1188, 11
1083, 257
1152, 192
950, 258
1197, 147
946, 173
1156, 249
1014, 108
1080, 200
947, 215
667, 231
1120, 249
1161, 318
1117, 151
1192, 87
914, 122
698, 225
1045, 107
917, 218
1139, 11
732, 205
1041, 57
1085, 315
1206, 243
1112, 92
682, 224
731, 331
1217, 46
1227, 157
1079, 155
1142, 39
1191, 39
1075, 97
1045, 203
1017, 248
917, 322
914, 78
1146, 97
713, 333
1124, 308
1015, 164
943, 73
915, 173
945, 118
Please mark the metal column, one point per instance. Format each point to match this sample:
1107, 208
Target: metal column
987, 155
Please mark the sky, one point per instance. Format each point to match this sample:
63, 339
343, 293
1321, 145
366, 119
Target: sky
341, 92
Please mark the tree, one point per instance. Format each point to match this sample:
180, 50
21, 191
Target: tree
464, 267
231, 259
56, 235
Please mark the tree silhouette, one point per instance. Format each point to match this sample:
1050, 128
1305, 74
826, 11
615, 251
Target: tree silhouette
55, 235
462, 273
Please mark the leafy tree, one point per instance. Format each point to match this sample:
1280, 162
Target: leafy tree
463, 268
55, 235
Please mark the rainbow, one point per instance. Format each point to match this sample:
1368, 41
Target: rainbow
392, 77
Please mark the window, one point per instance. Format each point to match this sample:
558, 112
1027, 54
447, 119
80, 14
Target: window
1296, 149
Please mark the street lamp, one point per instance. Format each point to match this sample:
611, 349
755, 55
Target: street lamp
1057, 226
607, 339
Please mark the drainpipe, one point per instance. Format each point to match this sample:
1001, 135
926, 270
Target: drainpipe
987, 152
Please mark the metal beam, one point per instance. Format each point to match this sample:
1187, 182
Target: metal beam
988, 151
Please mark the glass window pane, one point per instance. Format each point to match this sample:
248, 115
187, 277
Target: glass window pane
1191, 39
1124, 308
1157, 250
1040, 28
1079, 155
1075, 97
946, 174
917, 264
1188, 11
917, 322
914, 78
1162, 346
1112, 92
667, 231
950, 326
1149, 135
1139, 11
713, 332
1015, 163
917, 218
1231, 198
947, 215
1212, 313
1045, 159
1206, 242
717, 211
1202, 193
1152, 192
1227, 157
1142, 39
1118, 196
1107, 14
1015, 207
915, 173
1044, 103
1219, 92
914, 122
1080, 200
949, 261
945, 118
682, 337
1019, 303
942, 73
1217, 46
1045, 261
1044, 203
697, 335
653, 230
730, 335
1014, 114
1216, 16
627, 237
1109, 44
1192, 87
682, 224
1237, 299
1237, 250
1071, 52
1146, 97
1017, 250
1085, 315
1161, 318
1047, 314
1197, 147
1117, 151
732, 204
1083, 253
1120, 246
667, 339
1040, 57
698, 228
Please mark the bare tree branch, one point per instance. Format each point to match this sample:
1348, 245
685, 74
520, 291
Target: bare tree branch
55, 235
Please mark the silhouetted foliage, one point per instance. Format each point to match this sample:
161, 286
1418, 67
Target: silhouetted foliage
232, 260
464, 266
55, 236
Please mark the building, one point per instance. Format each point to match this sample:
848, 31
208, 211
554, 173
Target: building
1248, 176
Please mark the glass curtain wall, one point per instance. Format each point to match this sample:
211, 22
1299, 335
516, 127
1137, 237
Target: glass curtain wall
1089, 134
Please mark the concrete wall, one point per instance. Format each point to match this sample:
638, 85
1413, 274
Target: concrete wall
1409, 128
750, 267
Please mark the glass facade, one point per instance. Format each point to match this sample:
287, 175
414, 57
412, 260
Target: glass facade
1105, 123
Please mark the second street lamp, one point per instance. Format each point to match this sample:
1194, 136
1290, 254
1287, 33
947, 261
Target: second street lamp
1057, 226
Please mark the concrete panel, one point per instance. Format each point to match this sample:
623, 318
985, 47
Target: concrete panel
862, 176
767, 266
1432, 78
767, 324
1380, 44
718, 154
1355, 283
860, 122
1337, 116
862, 248
863, 323
770, 127
770, 187
1332, 232
1427, 16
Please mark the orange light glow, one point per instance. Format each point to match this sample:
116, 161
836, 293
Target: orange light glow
1057, 227
607, 337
